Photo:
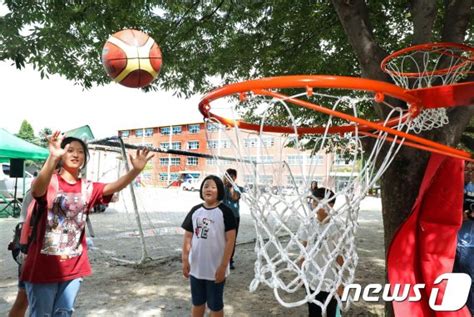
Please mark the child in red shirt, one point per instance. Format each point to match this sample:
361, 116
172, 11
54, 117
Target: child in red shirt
57, 257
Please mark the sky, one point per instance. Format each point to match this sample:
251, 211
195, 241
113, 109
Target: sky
58, 104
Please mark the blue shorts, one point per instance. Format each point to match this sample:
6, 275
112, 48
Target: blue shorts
210, 292
52, 299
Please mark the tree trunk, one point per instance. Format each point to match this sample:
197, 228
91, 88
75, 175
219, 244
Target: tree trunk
401, 181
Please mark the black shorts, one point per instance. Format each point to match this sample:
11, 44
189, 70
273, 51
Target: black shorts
205, 291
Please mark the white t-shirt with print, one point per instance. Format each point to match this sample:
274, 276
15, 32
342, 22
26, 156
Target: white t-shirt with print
326, 236
208, 243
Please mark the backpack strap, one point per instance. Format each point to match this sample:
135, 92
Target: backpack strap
33, 213
29, 204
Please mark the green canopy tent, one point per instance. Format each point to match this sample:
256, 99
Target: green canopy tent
16, 148
12, 147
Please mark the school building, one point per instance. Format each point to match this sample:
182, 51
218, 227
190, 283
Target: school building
276, 160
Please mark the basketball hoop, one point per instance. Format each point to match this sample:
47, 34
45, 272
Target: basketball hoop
430, 64
423, 66
276, 180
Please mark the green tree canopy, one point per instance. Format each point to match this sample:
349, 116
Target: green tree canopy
42, 137
26, 132
235, 40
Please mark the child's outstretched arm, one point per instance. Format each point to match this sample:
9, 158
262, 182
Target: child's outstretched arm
138, 162
229, 246
188, 236
41, 183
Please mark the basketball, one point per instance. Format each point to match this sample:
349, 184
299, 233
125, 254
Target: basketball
131, 58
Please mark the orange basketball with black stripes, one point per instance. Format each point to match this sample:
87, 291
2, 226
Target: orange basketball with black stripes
131, 58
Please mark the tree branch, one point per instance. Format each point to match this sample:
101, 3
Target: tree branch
469, 130
353, 15
424, 15
456, 20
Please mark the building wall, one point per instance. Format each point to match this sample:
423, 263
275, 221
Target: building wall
164, 168
160, 172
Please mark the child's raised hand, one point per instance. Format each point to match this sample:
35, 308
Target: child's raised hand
54, 144
141, 158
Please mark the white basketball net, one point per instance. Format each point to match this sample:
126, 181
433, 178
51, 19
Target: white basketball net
277, 189
427, 68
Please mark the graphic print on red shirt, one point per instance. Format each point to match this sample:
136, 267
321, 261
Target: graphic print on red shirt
64, 225
59, 252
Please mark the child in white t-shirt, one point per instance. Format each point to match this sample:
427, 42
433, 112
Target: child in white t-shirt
207, 248
320, 231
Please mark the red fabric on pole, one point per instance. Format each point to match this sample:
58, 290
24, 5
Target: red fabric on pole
425, 245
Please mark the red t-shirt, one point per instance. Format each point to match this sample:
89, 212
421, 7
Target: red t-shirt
59, 252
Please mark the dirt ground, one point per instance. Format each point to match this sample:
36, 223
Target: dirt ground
158, 288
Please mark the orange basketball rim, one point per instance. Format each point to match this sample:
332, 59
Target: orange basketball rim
446, 96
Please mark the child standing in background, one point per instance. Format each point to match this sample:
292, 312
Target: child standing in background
207, 248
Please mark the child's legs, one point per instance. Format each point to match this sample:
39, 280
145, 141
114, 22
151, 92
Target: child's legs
66, 296
237, 223
41, 298
316, 311
215, 297
20, 305
198, 311
198, 296
52, 299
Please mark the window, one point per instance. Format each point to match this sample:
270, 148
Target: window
177, 129
193, 145
225, 144
212, 127
265, 179
165, 145
315, 159
340, 160
139, 132
268, 142
164, 160
148, 145
175, 161
266, 159
194, 128
176, 145
192, 161
248, 179
164, 176
252, 142
149, 132
125, 133
211, 161
295, 159
165, 131
296, 180
212, 144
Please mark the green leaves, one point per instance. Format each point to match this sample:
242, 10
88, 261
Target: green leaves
201, 41
26, 132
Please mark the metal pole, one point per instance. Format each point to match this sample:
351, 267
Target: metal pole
145, 255
170, 140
